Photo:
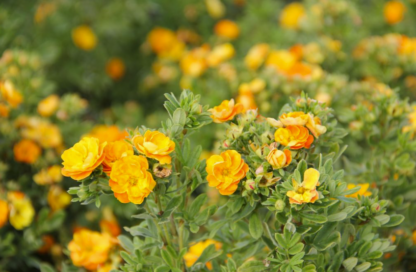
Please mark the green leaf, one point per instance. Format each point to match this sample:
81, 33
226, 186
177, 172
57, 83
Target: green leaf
44, 267
255, 227
139, 231
337, 216
317, 218
126, 243
171, 206
350, 263
252, 266
395, 220
179, 117
363, 267
196, 205
208, 254
167, 257
127, 257
296, 249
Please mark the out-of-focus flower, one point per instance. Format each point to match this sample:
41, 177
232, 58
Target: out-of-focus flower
106, 133
48, 242
40, 130
164, 72
225, 111
80, 160
49, 105
215, 8
362, 192
43, 11
195, 251
4, 110
21, 211
26, 151
4, 212
130, 180
115, 151
155, 145
227, 29
246, 98
48, 176
323, 97
257, 85
412, 122
115, 68
256, 56
294, 118
58, 199
89, 249
109, 223
394, 12
281, 60
84, 38
314, 125
279, 159
165, 43
295, 137
220, 53
194, 63
291, 15
13, 97
306, 191
225, 171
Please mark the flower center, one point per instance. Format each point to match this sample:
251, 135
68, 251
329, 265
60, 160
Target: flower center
132, 180
301, 190
225, 172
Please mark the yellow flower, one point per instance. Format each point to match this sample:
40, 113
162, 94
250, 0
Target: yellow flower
89, 249
109, 223
48, 106
130, 180
84, 38
279, 159
10, 94
306, 191
4, 212
215, 8
314, 125
115, 68
227, 29
295, 137
165, 43
26, 151
155, 145
107, 134
42, 131
21, 212
256, 56
225, 171
394, 12
48, 176
80, 160
194, 63
226, 111
4, 110
220, 53
291, 15
281, 60
246, 98
257, 85
196, 250
58, 199
296, 118
115, 151
362, 192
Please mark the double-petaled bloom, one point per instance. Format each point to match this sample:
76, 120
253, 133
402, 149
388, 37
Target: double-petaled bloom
129, 179
155, 145
226, 111
279, 159
306, 191
115, 151
81, 160
294, 137
225, 171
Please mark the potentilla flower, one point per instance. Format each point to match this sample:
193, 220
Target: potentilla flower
26, 151
256, 56
225, 171
394, 12
281, 60
296, 118
165, 43
295, 137
89, 249
194, 63
195, 251
227, 29
115, 151
84, 38
306, 191
220, 53
155, 145
4, 212
279, 159
4, 110
115, 68
362, 192
58, 199
13, 97
81, 160
41, 131
130, 180
291, 15
314, 125
226, 111
108, 134
21, 210
49, 105
48, 176
215, 8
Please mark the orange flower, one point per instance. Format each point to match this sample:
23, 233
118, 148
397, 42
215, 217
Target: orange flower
227, 29
4, 110
4, 212
220, 53
225, 171
81, 160
130, 180
48, 106
291, 15
295, 137
109, 223
26, 151
194, 63
195, 251
10, 94
394, 12
155, 145
108, 134
89, 249
226, 111
115, 151
296, 118
48, 242
84, 38
58, 199
306, 191
299, 69
279, 159
256, 56
165, 43
314, 125
115, 68
281, 60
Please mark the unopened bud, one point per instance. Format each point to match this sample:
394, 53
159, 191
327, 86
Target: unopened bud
375, 207
250, 185
279, 205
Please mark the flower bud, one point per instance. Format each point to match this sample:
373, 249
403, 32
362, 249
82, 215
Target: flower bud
162, 170
250, 185
279, 205
375, 207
